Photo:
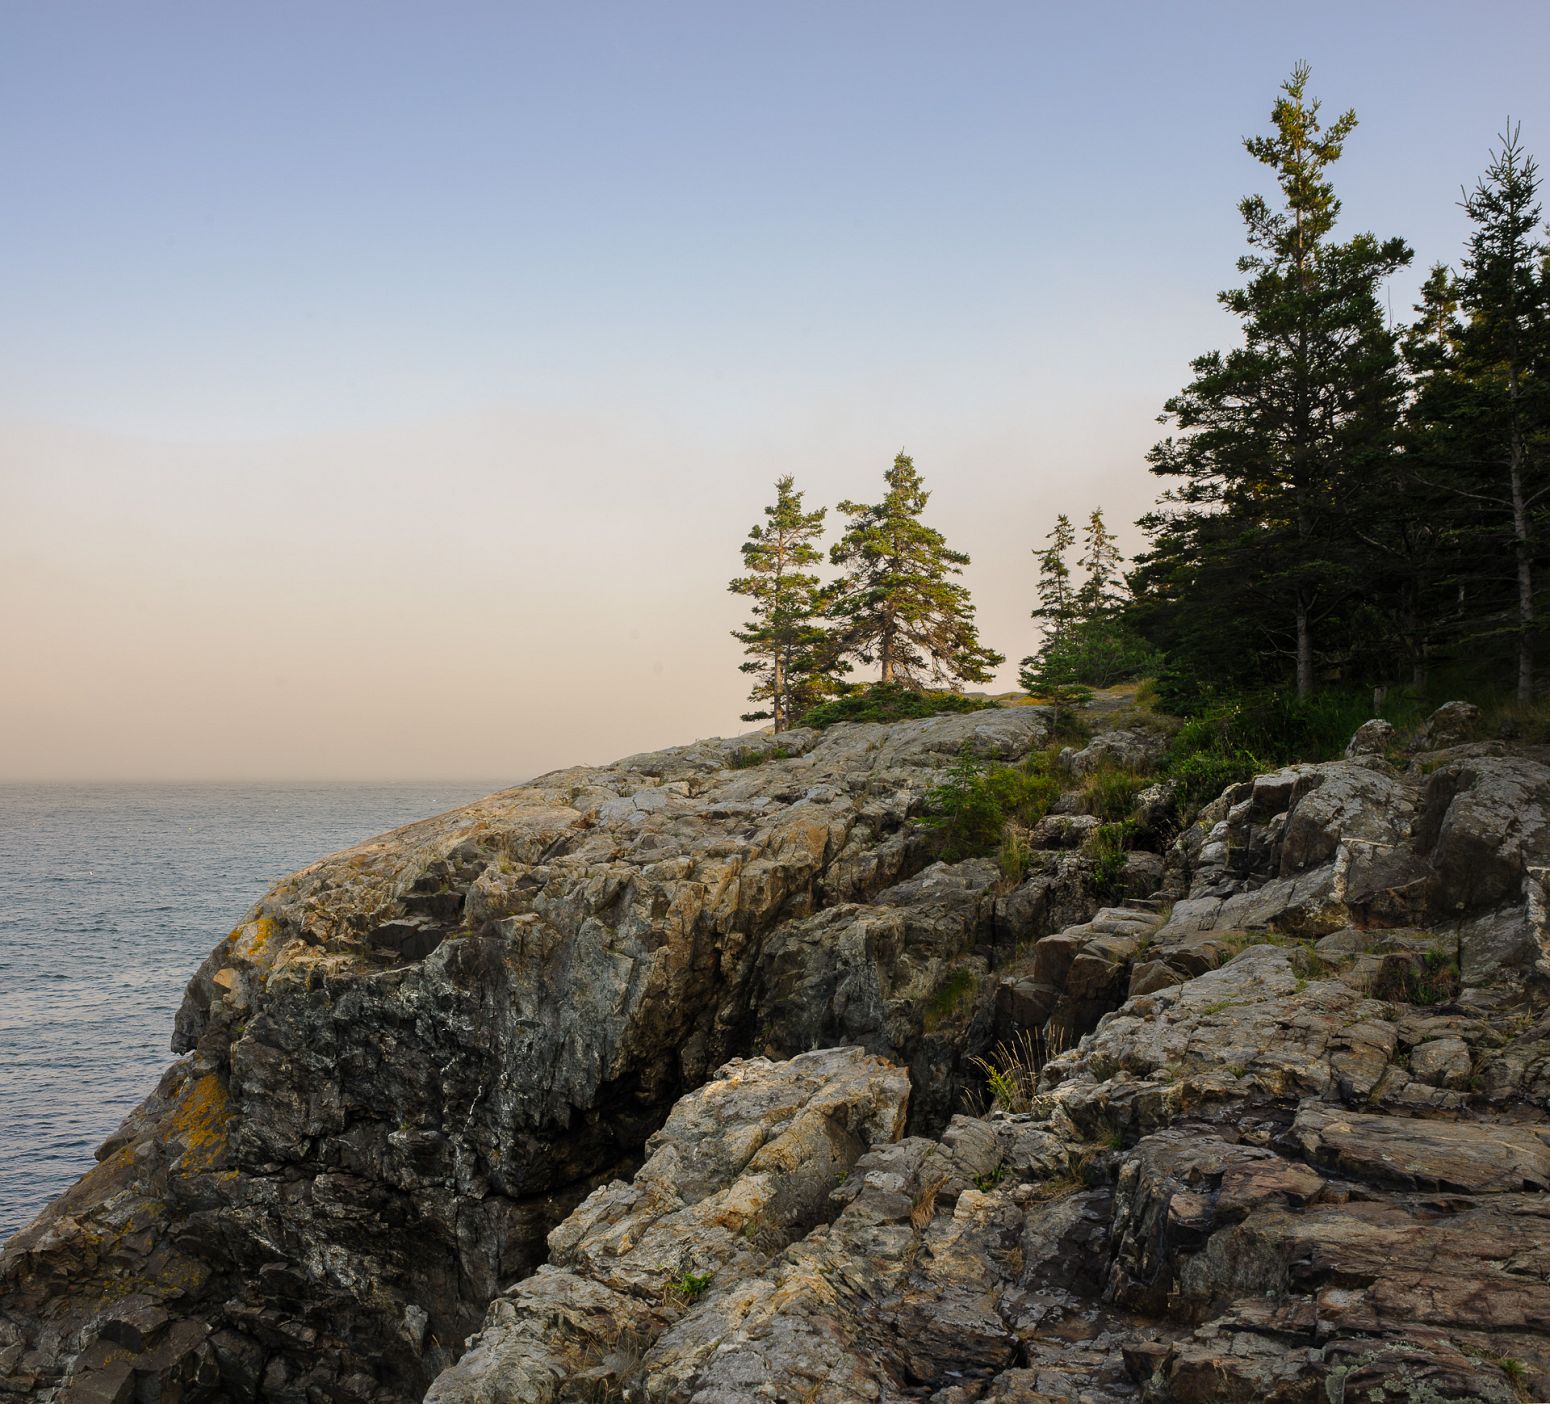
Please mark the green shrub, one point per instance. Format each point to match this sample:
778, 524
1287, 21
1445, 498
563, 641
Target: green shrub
690, 1286
1201, 777
1109, 846
887, 702
974, 804
1279, 729
1110, 792
744, 760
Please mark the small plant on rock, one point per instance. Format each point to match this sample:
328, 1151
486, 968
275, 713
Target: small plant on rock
1109, 846
1013, 1067
690, 1286
986, 1182
949, 997
1014, 855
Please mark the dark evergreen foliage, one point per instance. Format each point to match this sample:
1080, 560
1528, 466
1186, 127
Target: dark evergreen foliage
1276, 437
1087, 639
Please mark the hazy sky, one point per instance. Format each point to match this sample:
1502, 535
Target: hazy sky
385, 389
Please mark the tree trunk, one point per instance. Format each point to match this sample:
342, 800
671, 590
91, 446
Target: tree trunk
1304, 652
1521, 550
885, 655
778, 693
1415, 637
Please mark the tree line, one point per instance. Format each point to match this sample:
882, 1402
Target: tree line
1350, 502
1354, 502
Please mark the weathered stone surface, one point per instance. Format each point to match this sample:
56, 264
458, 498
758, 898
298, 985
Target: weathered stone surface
414, 1057
1126, 748
1452, 724
1461, 851
1372, 738
1299, 1151
742, 1167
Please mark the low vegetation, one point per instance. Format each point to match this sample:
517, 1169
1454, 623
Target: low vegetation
746, 760
690, 1286
949, 997
890, 702
1012, 1068
1108, 846
977, 800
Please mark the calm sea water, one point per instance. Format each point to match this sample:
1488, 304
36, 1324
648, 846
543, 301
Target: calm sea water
110, 896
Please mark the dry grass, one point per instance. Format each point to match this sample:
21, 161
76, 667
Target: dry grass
1013, 1067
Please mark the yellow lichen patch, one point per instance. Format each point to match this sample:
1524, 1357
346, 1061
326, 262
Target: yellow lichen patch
252, 937
199, 1123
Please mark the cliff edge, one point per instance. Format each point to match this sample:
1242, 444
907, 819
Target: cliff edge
667, 1080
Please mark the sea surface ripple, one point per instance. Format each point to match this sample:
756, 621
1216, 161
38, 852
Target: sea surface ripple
110, 896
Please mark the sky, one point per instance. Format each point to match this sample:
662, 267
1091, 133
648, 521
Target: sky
385, 389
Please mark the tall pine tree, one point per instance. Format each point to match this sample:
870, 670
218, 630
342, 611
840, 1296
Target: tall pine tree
1050, 674
896, 603
1102, 589
787, 646
1504, 353
1272, 435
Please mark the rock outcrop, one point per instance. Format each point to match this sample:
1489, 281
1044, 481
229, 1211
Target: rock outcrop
415, 1057
668, 1081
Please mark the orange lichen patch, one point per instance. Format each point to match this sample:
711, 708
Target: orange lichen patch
253, 937
199, 1123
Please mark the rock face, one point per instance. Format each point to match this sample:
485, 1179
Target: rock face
413, 1058
743, 1167
697, 1077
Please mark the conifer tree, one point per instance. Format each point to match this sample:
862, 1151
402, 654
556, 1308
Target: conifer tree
1478, 425
1050, 673
785, 642
1502, 358
1274, 435
1057, 602
896, 603
1086, 641
1100, 592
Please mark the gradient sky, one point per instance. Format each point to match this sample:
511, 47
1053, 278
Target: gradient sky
385, 389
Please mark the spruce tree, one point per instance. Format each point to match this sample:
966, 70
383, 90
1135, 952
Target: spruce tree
1503, 359
1057, 598
786, 644
1101, 591
1086, 640
1050, 673
896, 603
1274, 435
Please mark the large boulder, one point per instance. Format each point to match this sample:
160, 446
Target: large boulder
1452, 724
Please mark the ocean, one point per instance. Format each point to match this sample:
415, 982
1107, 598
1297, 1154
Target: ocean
110, 897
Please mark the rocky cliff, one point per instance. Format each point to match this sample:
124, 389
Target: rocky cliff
667, 1080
